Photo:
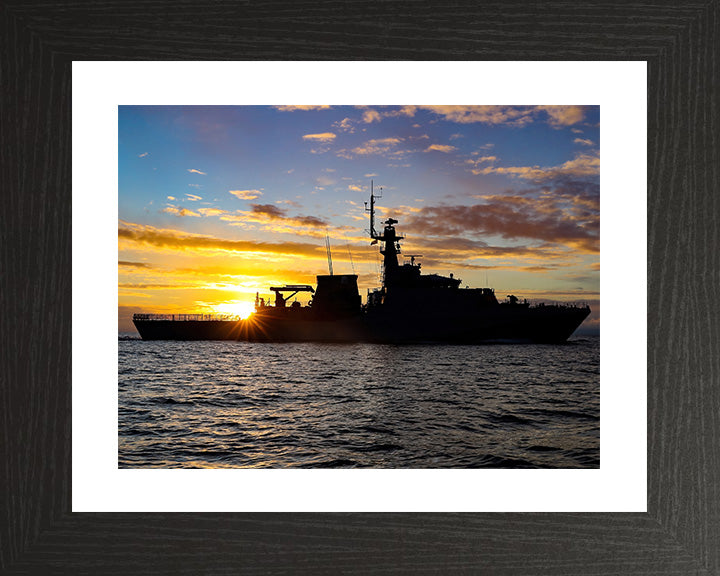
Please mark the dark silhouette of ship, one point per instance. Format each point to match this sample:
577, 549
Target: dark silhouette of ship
408, 307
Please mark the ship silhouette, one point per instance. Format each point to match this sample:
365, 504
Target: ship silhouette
408, 307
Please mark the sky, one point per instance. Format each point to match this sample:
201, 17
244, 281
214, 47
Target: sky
217, 203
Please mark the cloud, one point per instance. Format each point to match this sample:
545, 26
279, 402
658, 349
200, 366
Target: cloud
176, 240
303, 107
246, 194
134, 264
516, 116
556, 116
310, 221
581, 165
155, 286
440, 148
370, 116
143, 154
564, 214
180, 211
476, 161
345, 125
325, 180
289, 202
193, 171
193, 197
354, 188
274, 213
268, 210
211, 211
271, 214
585, 141
171, 197
377, 146
564, 115
449, 250
324, 137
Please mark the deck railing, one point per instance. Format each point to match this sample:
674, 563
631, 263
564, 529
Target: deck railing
187, 317
561, 303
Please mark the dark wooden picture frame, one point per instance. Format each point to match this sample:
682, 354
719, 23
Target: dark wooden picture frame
680, 533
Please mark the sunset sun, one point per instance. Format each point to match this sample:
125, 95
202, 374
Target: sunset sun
241, 308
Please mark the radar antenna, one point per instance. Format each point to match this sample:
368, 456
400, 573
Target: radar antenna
412, 258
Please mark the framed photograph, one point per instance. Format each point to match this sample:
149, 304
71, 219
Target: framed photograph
515, 210
651, 505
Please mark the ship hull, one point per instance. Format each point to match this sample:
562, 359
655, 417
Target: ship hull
189, 329
544, 324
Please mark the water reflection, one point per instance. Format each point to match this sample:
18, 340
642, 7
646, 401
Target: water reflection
238, 404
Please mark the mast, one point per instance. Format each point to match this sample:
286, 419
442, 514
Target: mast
391, 248
374, 235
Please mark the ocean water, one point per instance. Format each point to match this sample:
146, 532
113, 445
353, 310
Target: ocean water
240, 404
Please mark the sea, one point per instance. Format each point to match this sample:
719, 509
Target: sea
222, 404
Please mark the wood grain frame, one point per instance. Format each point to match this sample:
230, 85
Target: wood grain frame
680, 533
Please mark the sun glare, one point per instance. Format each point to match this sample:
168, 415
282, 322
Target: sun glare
240, 308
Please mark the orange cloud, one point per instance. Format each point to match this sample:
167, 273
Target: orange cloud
180, 211
377, 146
512, 115
211, 211
564, 115
517, 116
370, 116
246, 194
440, 148
345, 125
324, 137
193, 171
581, 165
176, 240
303, 107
